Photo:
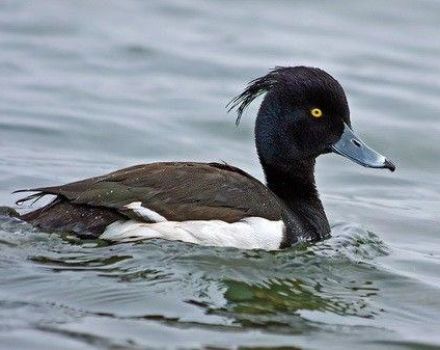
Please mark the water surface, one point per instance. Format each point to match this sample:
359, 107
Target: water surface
90, 87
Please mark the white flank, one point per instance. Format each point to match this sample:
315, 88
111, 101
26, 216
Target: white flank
249, 233
145, 213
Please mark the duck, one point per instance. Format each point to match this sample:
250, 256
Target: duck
304, 114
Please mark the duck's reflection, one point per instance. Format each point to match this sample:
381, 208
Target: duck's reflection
282, 302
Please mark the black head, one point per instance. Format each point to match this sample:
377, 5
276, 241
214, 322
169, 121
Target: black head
304, 114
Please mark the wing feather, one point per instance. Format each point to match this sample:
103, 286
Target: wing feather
177, 191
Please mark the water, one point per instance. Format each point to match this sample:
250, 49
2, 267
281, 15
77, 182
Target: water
89, 87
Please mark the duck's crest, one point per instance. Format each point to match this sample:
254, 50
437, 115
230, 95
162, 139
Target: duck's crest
254, 89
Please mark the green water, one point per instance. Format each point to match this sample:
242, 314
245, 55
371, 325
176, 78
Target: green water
89, 87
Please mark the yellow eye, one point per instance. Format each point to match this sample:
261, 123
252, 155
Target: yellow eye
316, 113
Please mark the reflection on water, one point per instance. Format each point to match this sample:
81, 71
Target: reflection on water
89, 87
183, 286
289, 296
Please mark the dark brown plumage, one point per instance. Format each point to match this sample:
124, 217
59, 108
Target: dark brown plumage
177, 191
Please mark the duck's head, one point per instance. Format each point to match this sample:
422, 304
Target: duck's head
303, 115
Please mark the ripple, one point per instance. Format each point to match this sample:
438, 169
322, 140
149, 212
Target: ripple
91, 87
80, 262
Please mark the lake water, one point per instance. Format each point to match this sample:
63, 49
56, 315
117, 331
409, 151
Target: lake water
89, 87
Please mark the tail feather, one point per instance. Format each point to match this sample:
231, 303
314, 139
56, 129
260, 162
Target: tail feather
35, 197
42, 191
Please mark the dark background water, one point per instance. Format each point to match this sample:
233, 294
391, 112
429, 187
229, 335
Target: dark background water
92, 86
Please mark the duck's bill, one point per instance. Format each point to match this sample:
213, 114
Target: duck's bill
352, 147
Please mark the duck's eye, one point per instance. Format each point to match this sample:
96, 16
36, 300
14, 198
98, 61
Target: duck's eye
316, 113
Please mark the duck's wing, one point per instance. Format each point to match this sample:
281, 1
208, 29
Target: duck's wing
172, 191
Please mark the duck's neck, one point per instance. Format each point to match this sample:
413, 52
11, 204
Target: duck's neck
296, 187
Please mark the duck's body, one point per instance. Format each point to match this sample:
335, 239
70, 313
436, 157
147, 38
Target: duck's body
217, 204
204, 203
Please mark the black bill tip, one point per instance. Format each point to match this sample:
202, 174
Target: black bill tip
389, 165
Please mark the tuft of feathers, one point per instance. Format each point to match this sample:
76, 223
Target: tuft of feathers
254, 89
